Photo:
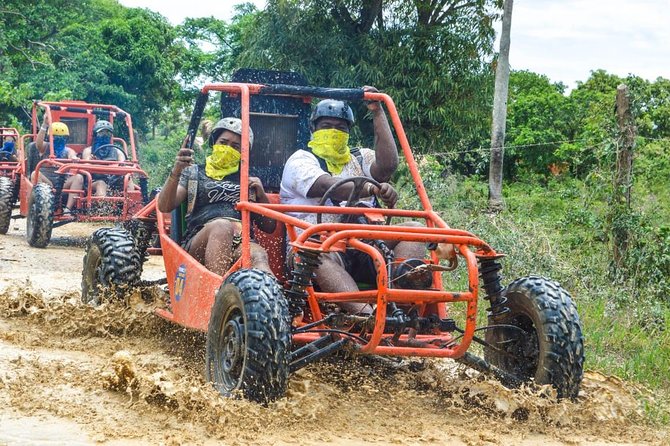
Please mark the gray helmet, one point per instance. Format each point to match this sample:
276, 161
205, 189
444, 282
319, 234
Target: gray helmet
231, 124
103, 125
333, 109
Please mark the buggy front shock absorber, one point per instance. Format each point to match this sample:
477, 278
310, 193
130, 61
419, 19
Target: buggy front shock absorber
489, 271
306, 262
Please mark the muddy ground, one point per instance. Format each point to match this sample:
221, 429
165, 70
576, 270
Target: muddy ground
117, 374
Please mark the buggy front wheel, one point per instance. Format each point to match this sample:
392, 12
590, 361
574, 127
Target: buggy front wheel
249, 337
540, 337
39, 223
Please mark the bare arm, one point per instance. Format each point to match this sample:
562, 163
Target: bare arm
386, 152
324, 182
86, 154
386, 193
39, 139
172, 194
266, 224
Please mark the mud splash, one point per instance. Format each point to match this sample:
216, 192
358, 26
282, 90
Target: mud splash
122, 374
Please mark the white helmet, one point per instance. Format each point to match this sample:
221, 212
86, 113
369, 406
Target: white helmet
231, 124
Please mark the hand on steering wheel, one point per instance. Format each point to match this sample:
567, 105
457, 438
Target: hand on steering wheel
96, 150
356, 193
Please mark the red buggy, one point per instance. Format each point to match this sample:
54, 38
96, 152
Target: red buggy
42, 203
12, 165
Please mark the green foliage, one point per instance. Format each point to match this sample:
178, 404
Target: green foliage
93, 50
431, 59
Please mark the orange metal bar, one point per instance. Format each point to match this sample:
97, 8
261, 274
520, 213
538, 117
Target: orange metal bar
404, 144
342, 210
89, 107
337, 227
382, 290
244, 179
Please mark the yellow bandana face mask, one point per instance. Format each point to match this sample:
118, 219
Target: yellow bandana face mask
331, 145
223, 161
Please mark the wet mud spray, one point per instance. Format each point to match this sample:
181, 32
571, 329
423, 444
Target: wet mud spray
118, 374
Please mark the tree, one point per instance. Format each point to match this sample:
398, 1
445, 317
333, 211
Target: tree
500, 112
430, 56
94, 50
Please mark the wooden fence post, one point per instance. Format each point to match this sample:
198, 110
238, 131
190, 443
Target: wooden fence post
623, 176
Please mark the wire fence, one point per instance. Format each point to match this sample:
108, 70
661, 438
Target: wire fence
548, 145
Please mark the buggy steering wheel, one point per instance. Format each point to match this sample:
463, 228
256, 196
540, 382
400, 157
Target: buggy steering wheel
107, 146
354, 196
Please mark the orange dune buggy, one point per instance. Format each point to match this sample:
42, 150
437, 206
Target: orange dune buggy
41, 203
11, 169
533, 331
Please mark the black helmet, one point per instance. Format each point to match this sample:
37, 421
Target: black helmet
103, 125
333, 109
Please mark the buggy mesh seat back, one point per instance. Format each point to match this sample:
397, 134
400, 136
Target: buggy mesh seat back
281, 126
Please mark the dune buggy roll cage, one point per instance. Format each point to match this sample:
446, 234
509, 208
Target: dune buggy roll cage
12, 168
337, 236
59, 110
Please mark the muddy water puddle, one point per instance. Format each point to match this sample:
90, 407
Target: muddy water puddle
118, 374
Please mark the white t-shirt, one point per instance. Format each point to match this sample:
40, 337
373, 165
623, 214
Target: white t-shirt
302, 169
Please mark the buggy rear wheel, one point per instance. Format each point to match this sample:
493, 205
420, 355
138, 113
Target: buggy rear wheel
542, 337
40, 219
6, 203
248, 338
111, 263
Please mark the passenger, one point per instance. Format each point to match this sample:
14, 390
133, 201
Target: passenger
104, 149
8, 150
214, 231
48, 175
308, 174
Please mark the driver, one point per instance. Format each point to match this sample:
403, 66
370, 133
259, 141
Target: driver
103, 149
60, 133
8, 149
309, 173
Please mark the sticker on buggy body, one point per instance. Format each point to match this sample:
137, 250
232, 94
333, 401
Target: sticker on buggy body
179, 282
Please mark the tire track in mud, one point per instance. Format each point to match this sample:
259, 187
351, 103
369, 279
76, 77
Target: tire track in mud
118, 374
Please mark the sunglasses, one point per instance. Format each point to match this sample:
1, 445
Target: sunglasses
103, 133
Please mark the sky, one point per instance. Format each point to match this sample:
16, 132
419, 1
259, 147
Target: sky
563, 39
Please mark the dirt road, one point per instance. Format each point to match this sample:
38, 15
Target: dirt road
117, 374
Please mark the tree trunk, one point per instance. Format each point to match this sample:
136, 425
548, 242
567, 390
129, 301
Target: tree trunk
500, 113
623, 177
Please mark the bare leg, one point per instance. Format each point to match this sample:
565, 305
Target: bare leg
74, 182
43, 179
259, 258
100, 188
212, 246
333, 278
408, 250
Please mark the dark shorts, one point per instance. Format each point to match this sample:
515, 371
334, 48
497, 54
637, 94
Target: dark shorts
51, 175
360, 266
114, 182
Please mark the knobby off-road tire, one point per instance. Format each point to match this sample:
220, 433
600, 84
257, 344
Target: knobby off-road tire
249, 337
40, 215
6, 203
143, 233
549, 347
111, 265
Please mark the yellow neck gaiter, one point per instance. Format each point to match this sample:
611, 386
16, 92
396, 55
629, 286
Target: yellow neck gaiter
331, 145
223, 161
